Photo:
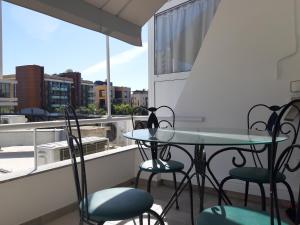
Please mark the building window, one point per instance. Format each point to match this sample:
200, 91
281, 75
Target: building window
4, 90
102, 93
179, 32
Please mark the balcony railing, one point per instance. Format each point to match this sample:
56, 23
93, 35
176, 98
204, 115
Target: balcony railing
30, 145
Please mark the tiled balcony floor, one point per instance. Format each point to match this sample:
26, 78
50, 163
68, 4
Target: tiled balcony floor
161, 194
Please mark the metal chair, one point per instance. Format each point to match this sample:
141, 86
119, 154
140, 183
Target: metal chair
229, 215
259, 173
160, 160
112, 204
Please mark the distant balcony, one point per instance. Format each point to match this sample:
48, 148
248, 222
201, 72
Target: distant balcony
59, 97
58, 89
8, 101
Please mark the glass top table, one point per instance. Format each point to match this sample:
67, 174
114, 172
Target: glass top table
205, 136
200, 138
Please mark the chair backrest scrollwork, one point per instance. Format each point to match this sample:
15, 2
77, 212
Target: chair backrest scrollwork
153, 122
266, 124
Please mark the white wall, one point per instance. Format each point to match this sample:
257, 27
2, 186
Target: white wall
30, 197
289, 66
25, 137
243, 61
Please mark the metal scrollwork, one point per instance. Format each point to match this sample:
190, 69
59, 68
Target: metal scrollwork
153, 122
243, 163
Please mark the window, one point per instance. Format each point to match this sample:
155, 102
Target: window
4, 90
179, 32
102, 93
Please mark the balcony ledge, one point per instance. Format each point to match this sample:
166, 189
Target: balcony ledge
61, 164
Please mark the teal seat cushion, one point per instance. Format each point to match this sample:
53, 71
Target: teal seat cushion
160, 166
117, 204
229, 215
254, 174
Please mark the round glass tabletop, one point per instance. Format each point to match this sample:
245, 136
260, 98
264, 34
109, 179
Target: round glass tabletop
217, 136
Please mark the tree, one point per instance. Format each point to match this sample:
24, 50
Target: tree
121, 109
101, 112
59, 109
91, 109
82, 110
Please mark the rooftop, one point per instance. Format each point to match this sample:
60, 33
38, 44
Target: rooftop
56, 77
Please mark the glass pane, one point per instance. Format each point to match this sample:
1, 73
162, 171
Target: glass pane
179, 33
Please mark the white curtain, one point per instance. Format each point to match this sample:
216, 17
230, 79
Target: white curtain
179, 33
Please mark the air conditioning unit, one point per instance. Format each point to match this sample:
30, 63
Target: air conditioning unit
4, 121
58, 151
115, 133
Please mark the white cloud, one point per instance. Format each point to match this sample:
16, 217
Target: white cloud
35, 24
121, 58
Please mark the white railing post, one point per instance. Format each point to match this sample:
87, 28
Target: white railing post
35, 149
1, 50
108, 89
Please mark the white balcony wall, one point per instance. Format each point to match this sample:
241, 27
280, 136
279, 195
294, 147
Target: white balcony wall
25, 137
248, 57
45, 191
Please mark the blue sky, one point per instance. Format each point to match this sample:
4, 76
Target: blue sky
33, 38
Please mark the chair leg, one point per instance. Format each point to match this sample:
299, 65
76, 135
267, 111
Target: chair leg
175, 186
149, 190
149, 182
293, 203
154, 214
246, 193
263, 197
141, 219
276, 204
191, 195
221, 191
137, 179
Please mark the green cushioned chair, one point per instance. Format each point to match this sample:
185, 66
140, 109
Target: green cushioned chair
106, 205
259, 174
276, 125
255, 175
229, 215
160, 166
112, 204
159, 162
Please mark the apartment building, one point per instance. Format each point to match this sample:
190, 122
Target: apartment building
122, 95
87, 93
57, 92
139, 98
100, 93
35, 89
29, 91
118, 95
82, 91
8, 99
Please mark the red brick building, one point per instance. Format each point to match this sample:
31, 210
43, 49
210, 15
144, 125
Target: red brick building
30, 86
35, 89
